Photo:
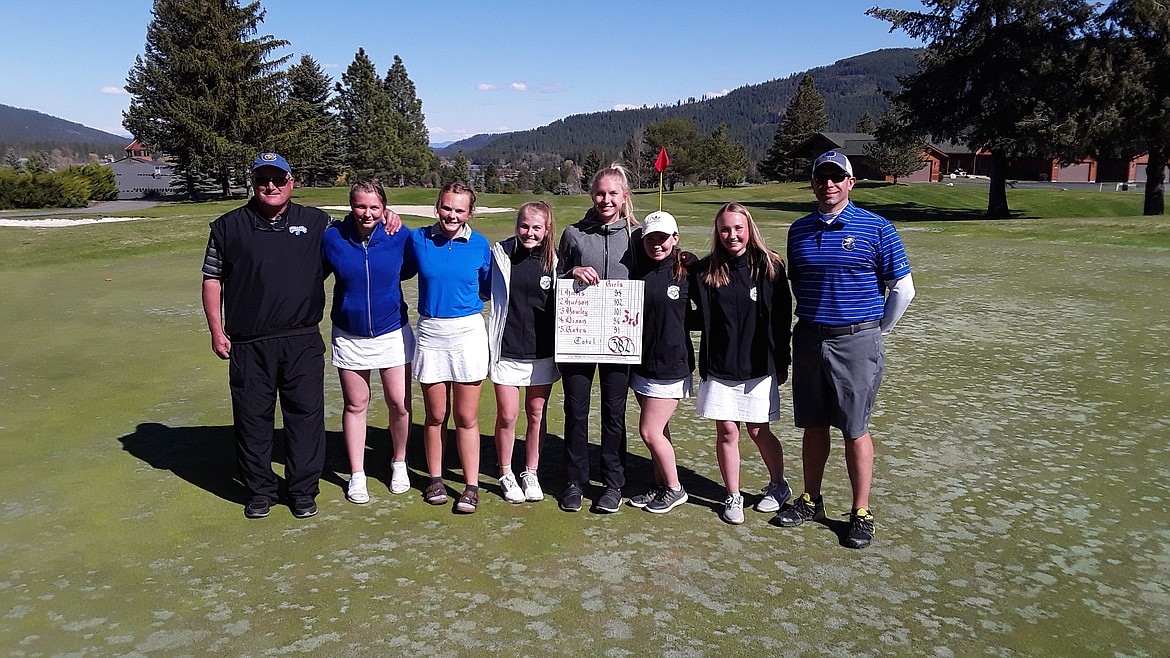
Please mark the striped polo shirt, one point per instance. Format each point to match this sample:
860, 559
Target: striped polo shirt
838, 269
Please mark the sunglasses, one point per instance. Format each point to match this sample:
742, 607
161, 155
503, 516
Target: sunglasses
836, 177
279, 181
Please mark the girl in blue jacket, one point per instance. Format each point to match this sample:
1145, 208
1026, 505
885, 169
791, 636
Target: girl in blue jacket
370, 328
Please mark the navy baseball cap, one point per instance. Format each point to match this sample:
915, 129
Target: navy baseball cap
271, 160
834, 158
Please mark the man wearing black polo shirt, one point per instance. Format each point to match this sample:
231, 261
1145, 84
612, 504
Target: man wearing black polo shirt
851, 281
264, 296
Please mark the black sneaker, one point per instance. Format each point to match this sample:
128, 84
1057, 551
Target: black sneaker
643, 499
257, 507
304, 506
800, 510
571, 499
667, 500
610, 501
860, 529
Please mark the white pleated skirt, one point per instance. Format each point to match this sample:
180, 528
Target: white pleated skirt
754, 401
351, 352
524, 372
451, 350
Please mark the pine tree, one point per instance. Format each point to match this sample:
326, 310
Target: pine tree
804, 117
1136, 45
205, 91
866, 124
681, 139
1000, 76
370, 125
590, 166
725, 160
312, 143
415, 155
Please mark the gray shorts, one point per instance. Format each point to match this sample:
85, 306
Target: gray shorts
835, 379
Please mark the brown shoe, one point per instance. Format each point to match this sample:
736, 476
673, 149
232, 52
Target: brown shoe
435, 494
468, 502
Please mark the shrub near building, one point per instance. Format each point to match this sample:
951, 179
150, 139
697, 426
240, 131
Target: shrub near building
72, 187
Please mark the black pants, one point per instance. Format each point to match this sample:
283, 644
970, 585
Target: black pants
577, 381
292, 367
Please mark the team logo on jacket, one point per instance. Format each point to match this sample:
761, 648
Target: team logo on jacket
752, 293
849, 243
298, 230
545, 282
672, 292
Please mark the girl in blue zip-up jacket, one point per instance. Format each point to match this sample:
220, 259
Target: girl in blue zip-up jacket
370, 328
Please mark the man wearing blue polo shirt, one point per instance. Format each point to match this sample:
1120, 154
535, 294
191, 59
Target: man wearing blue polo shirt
851, 281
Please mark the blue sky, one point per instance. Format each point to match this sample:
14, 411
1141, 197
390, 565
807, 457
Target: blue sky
478, 66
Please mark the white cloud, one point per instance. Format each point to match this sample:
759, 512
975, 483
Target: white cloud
436, 131
551, 89
485, 86
113, 90
518, 86
717, 94
627, 106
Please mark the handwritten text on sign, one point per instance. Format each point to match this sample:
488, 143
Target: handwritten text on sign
601, 323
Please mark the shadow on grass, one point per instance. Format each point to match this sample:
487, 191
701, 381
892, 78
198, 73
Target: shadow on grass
205, 456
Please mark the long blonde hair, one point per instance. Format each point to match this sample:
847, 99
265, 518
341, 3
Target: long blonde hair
616, 170
759, 256
548, 252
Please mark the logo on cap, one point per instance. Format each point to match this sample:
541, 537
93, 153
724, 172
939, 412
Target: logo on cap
268, 157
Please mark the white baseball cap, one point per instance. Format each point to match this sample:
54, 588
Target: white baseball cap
659, 221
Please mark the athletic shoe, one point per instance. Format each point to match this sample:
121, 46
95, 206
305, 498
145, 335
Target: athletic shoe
257, 508
512, 492
531, 486
571, 499
800, 510
733, 509
468, 502
667, 499
643, 499
775, 495
356, 491
860, 528
610, 501
399, 478
303, 507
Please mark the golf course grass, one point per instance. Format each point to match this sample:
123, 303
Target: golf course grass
1020, 484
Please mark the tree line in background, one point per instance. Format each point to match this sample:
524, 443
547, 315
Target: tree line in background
1034, 78
209, 94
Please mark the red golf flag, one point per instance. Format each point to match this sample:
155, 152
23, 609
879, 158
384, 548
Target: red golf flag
663, 160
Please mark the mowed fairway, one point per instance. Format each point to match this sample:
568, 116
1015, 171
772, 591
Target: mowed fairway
1021, 486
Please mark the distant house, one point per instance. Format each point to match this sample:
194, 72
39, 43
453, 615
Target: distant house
853, 146
142, 175
943, 160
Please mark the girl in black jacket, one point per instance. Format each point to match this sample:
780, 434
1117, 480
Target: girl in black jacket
742, 296
668, 357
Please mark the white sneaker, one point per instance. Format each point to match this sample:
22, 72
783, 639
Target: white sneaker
733, 509
532, 491
356, 492
399, 478
775, 495
512, 492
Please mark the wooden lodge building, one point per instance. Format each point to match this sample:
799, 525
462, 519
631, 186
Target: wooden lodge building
941, 161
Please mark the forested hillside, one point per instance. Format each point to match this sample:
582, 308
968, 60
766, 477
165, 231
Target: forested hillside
29, 131
851, 87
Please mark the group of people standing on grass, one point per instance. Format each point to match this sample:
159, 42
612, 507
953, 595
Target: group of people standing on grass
263, 296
